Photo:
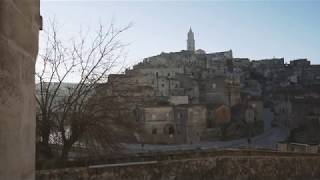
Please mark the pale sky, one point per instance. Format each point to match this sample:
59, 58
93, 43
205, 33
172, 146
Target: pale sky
252, 29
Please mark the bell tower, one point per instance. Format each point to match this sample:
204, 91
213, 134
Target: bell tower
190, 41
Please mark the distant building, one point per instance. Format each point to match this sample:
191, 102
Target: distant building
173, 124
297, 147
191, 41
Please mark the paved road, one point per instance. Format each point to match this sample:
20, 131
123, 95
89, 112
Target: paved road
266, 140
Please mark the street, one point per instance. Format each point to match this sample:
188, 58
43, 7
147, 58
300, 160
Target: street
266, 140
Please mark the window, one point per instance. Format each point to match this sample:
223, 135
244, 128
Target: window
162, 85
168, 130
171, 130
214, 86
154, 131
179, 115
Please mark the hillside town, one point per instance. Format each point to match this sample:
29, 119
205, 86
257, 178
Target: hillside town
186, 115
191, 96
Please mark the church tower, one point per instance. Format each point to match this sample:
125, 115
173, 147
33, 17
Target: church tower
190, 41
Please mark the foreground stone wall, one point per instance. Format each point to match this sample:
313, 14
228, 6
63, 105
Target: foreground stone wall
270, 166
19, 27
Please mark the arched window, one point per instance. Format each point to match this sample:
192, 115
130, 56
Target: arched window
171, 130
154, 131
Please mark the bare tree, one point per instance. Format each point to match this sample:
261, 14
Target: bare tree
70, 113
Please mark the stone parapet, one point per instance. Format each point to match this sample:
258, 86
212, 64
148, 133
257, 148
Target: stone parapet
241, 165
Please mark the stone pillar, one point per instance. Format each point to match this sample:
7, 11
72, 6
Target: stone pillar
19, 30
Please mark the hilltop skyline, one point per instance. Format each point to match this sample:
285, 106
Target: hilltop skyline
254, 30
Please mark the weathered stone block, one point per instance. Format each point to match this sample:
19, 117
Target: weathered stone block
18, 49
18, 27
240, 166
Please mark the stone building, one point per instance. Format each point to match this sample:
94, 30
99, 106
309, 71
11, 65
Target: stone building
190, 41
173, 124
175, 83
301, 71
204, 78
20, 22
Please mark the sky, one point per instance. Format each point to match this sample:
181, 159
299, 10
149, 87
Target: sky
252, 29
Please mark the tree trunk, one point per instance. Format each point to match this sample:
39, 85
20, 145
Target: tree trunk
65, 151
45, 146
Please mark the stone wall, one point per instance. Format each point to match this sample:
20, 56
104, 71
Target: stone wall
225, 166
19, 27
